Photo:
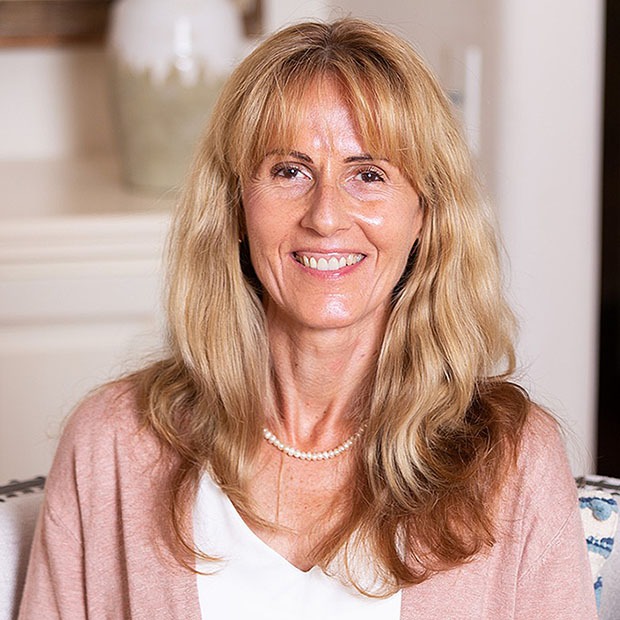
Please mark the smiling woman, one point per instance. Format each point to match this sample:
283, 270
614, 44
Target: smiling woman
330, 227
333, 431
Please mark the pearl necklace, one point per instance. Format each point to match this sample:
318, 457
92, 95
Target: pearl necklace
312, 456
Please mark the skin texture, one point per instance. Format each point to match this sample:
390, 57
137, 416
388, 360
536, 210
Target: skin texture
326, 197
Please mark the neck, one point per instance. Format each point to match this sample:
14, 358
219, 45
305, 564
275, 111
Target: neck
318, 378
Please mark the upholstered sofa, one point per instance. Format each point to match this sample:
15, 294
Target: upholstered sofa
598, 500
19, 507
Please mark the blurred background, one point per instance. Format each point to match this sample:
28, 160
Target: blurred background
87, 184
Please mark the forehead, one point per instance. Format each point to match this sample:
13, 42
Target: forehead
372, 114
318, 115
321, 118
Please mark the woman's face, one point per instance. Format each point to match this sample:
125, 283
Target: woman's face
330, 225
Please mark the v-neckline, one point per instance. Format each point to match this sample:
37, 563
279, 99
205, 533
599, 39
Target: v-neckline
251, 536
221, 532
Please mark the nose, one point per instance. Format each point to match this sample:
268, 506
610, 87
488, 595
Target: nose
327, 210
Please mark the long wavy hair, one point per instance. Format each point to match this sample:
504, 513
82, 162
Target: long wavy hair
443, 419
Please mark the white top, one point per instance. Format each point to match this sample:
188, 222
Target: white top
254, 581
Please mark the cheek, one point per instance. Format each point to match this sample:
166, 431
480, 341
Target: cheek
257, 224
399, 231
260, 256
252, 208
416, 228
264, 239
414, 218
267, 217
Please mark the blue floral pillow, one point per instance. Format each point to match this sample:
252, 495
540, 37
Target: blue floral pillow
598, 501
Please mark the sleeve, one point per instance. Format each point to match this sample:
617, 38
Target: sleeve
100, 550
54, 586
56, 580
554, 580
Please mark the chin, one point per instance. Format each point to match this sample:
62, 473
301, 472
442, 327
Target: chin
328, 314
342, 319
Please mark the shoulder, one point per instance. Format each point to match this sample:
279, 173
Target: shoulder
539, 491
540, 500
541, 471
104, 410
105, 443
542, 452
107, 420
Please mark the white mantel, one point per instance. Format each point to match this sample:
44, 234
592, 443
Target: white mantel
80, 260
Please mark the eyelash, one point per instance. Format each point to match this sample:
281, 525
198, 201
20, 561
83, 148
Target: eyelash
278, 169
372, 170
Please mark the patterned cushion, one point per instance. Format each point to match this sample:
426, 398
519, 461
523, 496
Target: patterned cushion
19, 506
598, 500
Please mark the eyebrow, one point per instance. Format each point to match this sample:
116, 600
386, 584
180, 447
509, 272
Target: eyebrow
363, 157
308, 159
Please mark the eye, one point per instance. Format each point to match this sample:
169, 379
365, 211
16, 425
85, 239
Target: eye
289, 171
371, 175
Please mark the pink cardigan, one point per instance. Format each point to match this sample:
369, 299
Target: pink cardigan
98, 554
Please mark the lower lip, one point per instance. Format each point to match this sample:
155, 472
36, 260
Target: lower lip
329, 273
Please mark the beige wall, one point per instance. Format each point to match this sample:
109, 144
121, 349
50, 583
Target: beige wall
53, 103
540, 116
547, 85
539, 136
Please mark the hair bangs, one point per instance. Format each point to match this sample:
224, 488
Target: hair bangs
379, 100
377, 110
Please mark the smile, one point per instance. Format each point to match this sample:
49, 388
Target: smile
331, 263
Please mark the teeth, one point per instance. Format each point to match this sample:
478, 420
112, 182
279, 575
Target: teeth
333, 263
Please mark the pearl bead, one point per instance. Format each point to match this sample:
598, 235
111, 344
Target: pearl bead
312, 456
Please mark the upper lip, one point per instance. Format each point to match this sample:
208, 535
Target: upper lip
330, 252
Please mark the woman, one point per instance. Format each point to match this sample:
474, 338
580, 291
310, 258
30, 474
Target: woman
334, 431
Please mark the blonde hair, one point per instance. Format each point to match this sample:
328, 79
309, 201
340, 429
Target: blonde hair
443, 421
